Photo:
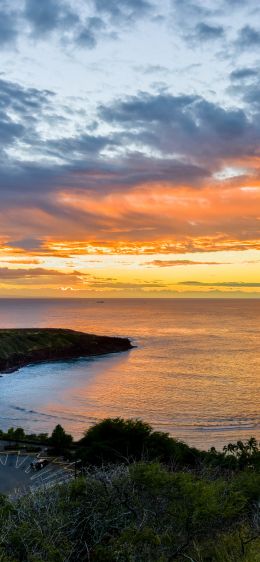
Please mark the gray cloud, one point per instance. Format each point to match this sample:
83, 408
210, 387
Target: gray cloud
24, 101
73, 148
186, 125
47, 16
30, 244
160, 138
189, 134
70, 22
243, 73
89, 32
197, 22
20, 111
200, 21
248, 37
245, 83
8, 28
125, 10
187, 11
85, 24
80, 155
206, 32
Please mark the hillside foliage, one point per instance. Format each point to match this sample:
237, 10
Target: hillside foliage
141, 497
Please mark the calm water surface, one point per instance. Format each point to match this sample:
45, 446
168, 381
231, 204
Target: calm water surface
194, 373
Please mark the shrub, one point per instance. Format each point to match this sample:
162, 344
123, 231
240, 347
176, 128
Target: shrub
117, 440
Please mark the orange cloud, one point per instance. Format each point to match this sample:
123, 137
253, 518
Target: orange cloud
176, 263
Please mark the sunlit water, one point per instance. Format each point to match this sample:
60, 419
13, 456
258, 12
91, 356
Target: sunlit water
195, 372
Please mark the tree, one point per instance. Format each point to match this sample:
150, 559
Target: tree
19, 434
124, 441
60, 440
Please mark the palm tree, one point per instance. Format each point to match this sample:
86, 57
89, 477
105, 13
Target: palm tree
252, 445
230, 448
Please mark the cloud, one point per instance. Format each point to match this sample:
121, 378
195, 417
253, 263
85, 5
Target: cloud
190, 11
11, 274
243, 73
156, 174
46, 16
8, 28
89, 33
45, 276
28, 244
198, 22
74, 280
21, 261
206, 32
21, 110
72, 148
84, 24
33, 18
177, 263
245, 84
149, 108
70, 23
152, 69
72, 26
220, 284
176, 244
125, 10
23, 101
248, 37
100, 283
185, 125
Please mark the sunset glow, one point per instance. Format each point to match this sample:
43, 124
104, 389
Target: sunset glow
137, 179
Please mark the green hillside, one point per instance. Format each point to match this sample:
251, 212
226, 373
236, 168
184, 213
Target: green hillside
19, 347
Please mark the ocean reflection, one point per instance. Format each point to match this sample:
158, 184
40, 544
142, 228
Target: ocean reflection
195, 372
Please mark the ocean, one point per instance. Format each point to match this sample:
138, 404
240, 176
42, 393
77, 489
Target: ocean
195, 370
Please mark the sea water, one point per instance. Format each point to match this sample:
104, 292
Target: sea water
195, 370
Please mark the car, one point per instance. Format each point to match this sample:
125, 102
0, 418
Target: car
39, 464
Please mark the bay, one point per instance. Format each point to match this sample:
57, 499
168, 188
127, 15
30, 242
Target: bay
195, 370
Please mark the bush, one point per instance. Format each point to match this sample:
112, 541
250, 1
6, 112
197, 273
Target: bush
136, 513
117, 440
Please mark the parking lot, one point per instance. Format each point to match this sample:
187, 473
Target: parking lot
19, 475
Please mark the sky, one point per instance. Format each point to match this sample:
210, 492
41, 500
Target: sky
129, 148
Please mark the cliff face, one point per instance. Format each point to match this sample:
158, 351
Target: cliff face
20, 347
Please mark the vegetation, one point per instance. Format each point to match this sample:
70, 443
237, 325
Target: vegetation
117, 440
20, 347
60, 440
18, 435
142, 497
125, 441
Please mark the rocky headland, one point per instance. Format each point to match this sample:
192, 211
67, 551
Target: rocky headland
21, 347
